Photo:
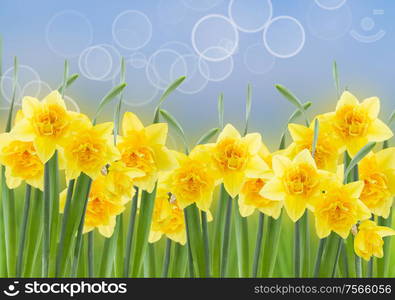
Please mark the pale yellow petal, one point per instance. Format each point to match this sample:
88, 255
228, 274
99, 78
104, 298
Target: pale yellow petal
254, 141
322, 228
23, 131
346, 99
244, 209
273, 190
354, 189
29, 105
295, 207
229, 132
299, 133
378, 131
154, 236
131, 122
280, 164
386, 158
157, 133
233, 183
372, 106
45, 148
55, 98
305, 157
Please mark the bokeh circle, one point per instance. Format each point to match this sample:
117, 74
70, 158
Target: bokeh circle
330, 4
216, 70
258, 60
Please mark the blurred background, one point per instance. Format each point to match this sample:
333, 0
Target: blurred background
220, 45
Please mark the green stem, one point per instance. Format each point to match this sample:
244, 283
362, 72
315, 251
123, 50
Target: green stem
339, 248
46, 215
225, 246
150, 262
320, 251
206, 243
218, 231
166, 262
22, 235
129, 241
179, 261
297, 249
66, 212
90, 254
258, 245
241, 227
344, 261
143, 229
358, 266
384, 263
190, 257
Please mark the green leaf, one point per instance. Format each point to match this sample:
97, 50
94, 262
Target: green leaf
108, 98
219, 222
292, 119
358, 157
315, 138
143, 229
176, 126
12, 105
205, 138
391, 119
242, 246
221, 110
69, 82
293, 100
130, 234
336, 78
117, 113
172, 87
248, 108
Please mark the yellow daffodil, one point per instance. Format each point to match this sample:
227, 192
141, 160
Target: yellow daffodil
44, 123
120, 180
327, 150
296, 182
250, 197
369, 240
194, 180
88, 149
102, 208
377, 170
355, 124
339, 207
144, 148
237, 159
21, 161
167, 219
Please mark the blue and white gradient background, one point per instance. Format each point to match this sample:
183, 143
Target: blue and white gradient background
366, 65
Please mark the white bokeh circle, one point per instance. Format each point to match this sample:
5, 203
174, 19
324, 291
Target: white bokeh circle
250, 15
100, 62
201, 5
188, 66
71, 104
258, 60
36, 88
26, 74
329, 24
68, 32
216, 70
171, 11
7, 87
158, 68
209, 32
330, 4
137, 60
284, 37
132, 30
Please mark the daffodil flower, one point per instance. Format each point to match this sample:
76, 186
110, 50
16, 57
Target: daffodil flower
355, 124
296, 182
339, 207
102, 208
144, 148
250, 197
369, 240
168, 218
377, 170
194, 180
44, 123
237, 159
88, 148
327, 151
21, 161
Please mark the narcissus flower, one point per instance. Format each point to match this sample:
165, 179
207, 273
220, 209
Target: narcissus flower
194, 180
355, 124
168, 218
144, 148
21, 161
88, 149
102, 208
327, 151
377, 170
369, 240
339, 208
237, 158
296, 182
250, 197
44, 123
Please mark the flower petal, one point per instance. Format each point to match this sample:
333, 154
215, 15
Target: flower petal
372, 106
273, 190
29, 105
131, 122
229, 132
378, 131
295, 207
45, 148
299, 133
157, 133
280, 164
346, 99
233, 183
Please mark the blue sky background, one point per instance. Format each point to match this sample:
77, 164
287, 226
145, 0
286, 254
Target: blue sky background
366, 69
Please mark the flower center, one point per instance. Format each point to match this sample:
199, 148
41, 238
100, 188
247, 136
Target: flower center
375, 190
51, 121
301, 180
352, 121
231, 155
141, 158
87, 152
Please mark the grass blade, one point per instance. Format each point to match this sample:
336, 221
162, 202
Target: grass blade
205, 138
166, 262
258, 245
242, 244
335, 74
218, 231
357, 158
70, 80
226, 239
107, 99
129, 241
143, 229
221, 111
293, 100
248, 108
206, 244
171, 88
176, 125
